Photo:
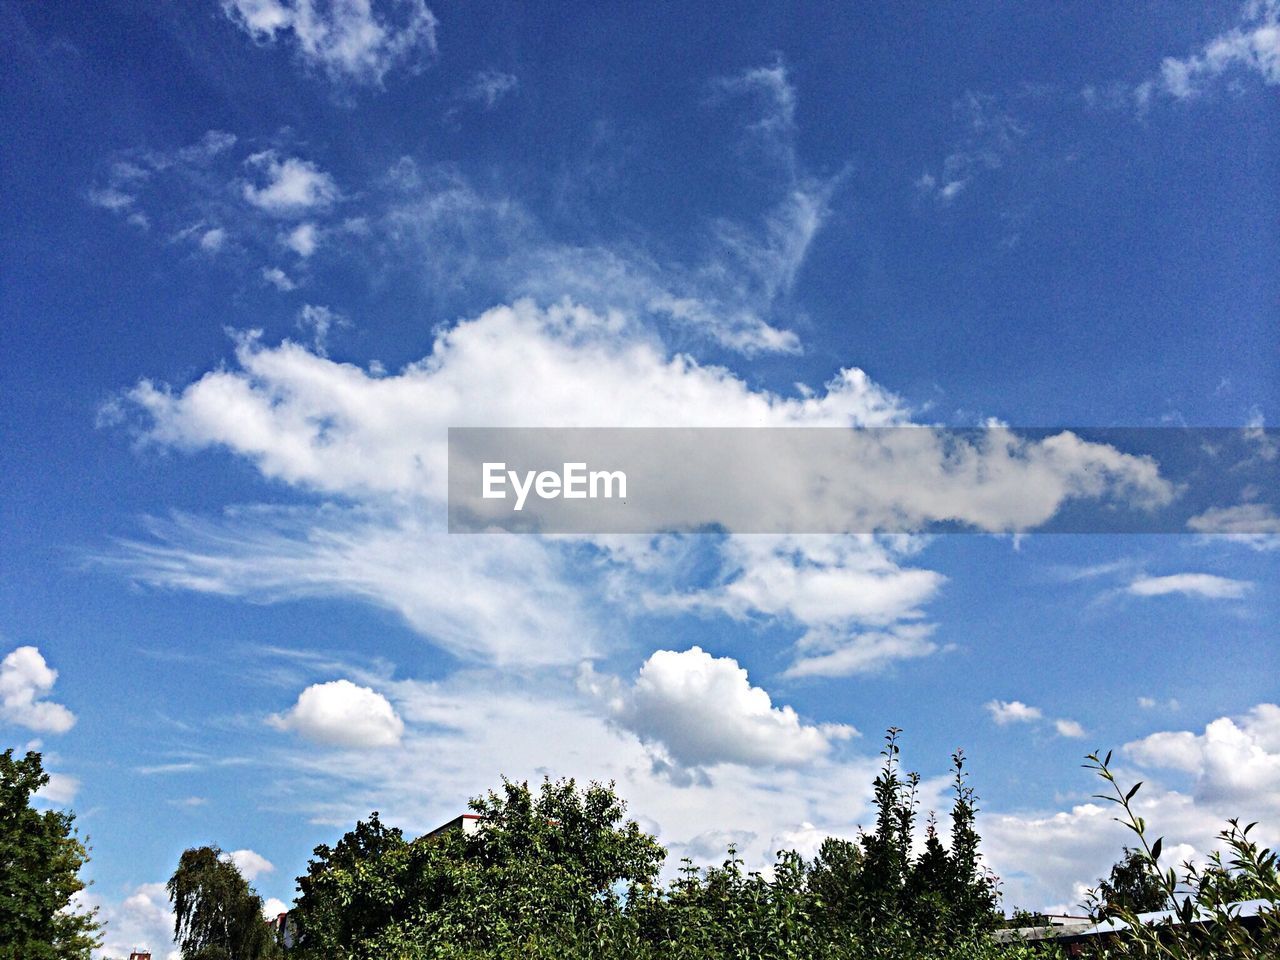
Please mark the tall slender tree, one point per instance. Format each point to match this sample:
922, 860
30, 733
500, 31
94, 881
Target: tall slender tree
217, 915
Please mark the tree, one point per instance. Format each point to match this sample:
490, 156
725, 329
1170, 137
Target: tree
41, 856
548, 867
1133, 885
217, 915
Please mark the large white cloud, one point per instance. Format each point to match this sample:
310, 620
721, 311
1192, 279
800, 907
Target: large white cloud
25, 679
341, 714
703, 710
1234, 760
379, 441
351, 40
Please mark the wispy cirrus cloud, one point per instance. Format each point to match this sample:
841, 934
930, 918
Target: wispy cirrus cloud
1205, 585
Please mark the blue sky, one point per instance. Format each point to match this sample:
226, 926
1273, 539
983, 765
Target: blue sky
259, 255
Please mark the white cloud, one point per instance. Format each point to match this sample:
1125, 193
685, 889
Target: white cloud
1151, 703
251, 864
502, 599
360, 41
278, 279
25, 679
1233, 759
288, 186
341, 714
487, 87
302, 239
61, 789
1254, 524
320, 321
378, 442
211, 241
703, 710
272, 907
825, 654
1190, 584
142, 921
1004, 712
1069, 728
1252, 45
462, 733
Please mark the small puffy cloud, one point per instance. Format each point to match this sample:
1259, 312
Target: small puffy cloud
1004, 712
358, 41
278, 279
25, 678
341, 714
288, 186
303, 239
272, 907
1068, 728
1151, 703
211, 241
1190, 585
251, 864
703, 710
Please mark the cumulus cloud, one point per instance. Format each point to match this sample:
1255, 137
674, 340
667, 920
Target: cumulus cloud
211, 240
288, 186
251, 865
25, 679
141, 920
703, 710
341, 714
302, 239
1069, 728
278, 279
1235, 759
1004, 712
1191, 585
358, 41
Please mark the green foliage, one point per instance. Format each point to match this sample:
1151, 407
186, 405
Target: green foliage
217, 916
40, 860
560, 873
1133, 885
940, 895
1203, 898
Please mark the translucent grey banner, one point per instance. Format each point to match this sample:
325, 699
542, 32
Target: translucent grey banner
914, 479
